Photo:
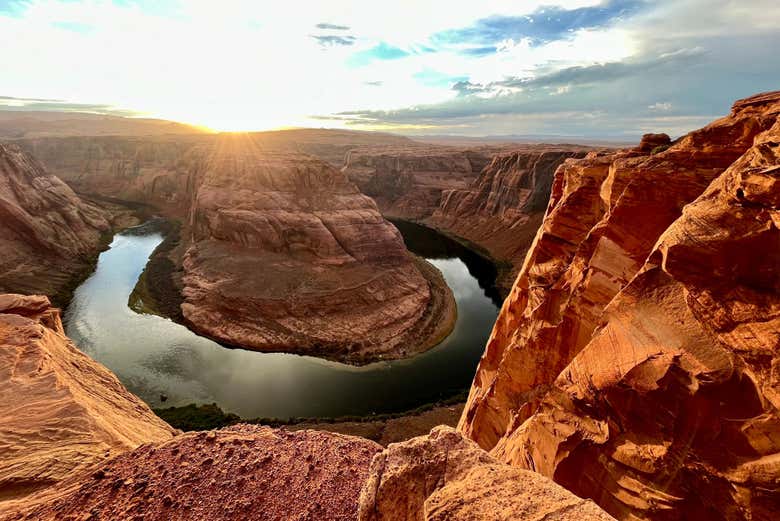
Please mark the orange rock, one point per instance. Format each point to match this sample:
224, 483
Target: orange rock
60, 411
47, 233
243, 472
633, 362
285, 254
502, 209
444, 477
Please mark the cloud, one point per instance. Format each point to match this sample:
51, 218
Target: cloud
660, 107
543, 25
381, 51
332, 27
589, 67
328, 40
11, 103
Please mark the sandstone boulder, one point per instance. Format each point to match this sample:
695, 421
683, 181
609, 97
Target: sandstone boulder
61, 411
443, 476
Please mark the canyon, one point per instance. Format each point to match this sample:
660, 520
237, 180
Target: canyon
492, 197
632, 372
106, 456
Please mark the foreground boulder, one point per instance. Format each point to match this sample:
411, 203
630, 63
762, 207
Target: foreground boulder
634, 361
243, 472
285, 254
443, 476
61, 411
48, 235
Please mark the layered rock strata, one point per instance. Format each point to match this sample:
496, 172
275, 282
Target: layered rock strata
443, 476
634, 360
152, 169
501, 210
407, 182
61, 411
285, 254
48, 235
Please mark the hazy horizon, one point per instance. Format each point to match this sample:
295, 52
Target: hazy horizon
574, 68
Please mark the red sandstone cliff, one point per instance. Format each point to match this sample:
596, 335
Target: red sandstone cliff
502, 209
60, 411
408, 181
634, 361
47, 233
285, 254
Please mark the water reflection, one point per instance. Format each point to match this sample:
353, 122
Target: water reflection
154, 356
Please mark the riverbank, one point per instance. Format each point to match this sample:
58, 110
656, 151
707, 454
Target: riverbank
123, 215
158, 292
383, 429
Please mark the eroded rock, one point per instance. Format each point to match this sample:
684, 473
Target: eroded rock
47, 233
285, 254
633, 361
61, 411
443, 476
243, 472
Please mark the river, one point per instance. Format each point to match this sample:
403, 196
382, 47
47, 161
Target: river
155, 357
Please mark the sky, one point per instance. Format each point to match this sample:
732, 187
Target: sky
588, 68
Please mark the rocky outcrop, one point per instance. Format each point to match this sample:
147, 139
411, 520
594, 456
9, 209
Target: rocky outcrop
443, 476
634, 361
48, 234
61, 411
502, 209
285, 254
239, 473
408, 182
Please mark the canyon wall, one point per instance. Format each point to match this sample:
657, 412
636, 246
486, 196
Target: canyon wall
283, 253
152, 169
635, 359
501, 210
48, 235
408, 182
61, 411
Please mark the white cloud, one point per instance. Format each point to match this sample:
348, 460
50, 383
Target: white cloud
660, 107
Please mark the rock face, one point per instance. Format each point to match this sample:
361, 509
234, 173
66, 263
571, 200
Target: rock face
61, 411
239, 473
153, 169
47, 233
408, 181
634, 361
494, 197
502, 209
285, 254
443, 476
